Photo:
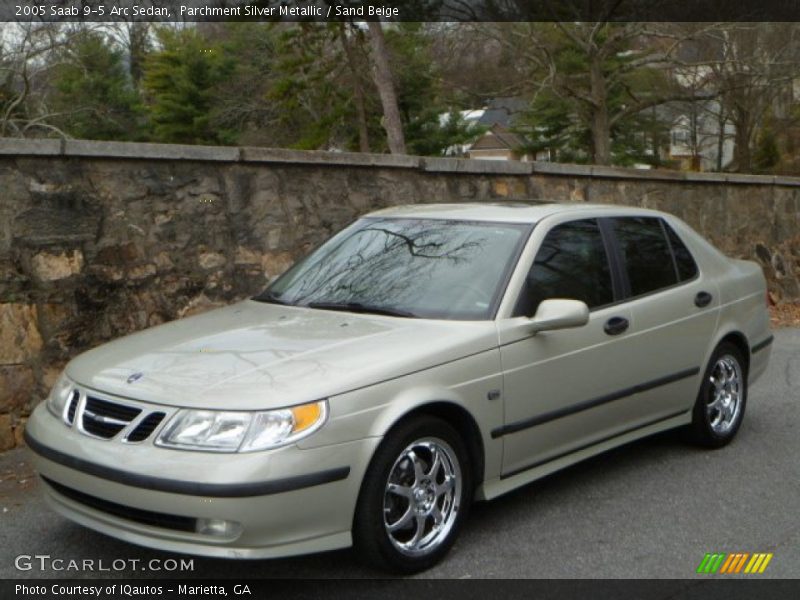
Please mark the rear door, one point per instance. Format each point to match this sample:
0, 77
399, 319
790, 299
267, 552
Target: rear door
674, 310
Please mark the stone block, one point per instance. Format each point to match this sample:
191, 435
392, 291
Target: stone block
46, 266
53, 316
211, 260
247, 256
275, 263
163, 261
19, 334
141, 272
118, 254
83, 148
481, 167
20, 147
321, 159
19, 431
7, 439
108, 274
16, 387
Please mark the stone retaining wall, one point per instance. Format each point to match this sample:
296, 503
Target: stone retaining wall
99, 239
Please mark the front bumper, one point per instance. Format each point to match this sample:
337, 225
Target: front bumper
286, 501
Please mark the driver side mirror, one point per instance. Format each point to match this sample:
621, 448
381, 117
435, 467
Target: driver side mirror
559, 313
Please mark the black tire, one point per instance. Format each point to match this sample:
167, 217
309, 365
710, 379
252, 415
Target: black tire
371, 537
703, 431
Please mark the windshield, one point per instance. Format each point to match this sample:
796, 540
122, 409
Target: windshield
429, 268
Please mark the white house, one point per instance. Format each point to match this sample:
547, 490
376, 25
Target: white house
701, 139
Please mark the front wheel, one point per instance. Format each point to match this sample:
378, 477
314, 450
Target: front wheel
720, 405
414, 497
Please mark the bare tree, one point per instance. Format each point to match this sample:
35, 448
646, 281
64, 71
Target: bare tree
135, 38
753, 63
590, 64
382, 74
472, 64
25, 61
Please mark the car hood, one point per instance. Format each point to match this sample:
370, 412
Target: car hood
254, 355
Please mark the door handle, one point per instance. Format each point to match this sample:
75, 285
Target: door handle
616, 325
702, 299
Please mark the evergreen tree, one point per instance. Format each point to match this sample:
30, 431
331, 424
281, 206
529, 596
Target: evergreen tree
312, 104
238, 102
421, 98
767, 155
179, 82
93, 97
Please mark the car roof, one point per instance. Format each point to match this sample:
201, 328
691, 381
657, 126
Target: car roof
503, 212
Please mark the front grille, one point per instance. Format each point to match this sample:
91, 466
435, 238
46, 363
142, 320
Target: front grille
106, 419
145, 517
73, 405
146, 427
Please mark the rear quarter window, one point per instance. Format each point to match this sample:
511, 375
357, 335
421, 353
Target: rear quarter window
684, 261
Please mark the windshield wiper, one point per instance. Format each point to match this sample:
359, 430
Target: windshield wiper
358, 307
271, 298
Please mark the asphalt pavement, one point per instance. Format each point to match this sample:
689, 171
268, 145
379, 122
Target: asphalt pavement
651, 509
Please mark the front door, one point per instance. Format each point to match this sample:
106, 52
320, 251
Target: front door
560, 387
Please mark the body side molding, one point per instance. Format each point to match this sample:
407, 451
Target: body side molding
592, 403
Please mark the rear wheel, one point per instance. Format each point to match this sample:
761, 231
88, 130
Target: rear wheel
414, 497
720, 405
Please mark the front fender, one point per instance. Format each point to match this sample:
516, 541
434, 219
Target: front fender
372, 411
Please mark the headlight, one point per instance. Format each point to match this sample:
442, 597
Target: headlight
219, 431
61, 392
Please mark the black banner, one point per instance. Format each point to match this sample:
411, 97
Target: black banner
734, 588
398, 10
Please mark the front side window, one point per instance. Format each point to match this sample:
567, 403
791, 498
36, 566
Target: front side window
645, 253
430, 268
571, 263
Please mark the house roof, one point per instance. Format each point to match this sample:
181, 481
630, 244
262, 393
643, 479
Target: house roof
501, 111
498, 138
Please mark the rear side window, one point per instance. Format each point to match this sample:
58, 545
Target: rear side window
646, 253
570, 263
684, 262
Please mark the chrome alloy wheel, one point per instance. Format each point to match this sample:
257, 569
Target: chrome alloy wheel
422, 496
724, 401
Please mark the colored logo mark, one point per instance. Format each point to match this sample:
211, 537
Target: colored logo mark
737, 562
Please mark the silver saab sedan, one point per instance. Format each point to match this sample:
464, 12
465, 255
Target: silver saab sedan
422, 358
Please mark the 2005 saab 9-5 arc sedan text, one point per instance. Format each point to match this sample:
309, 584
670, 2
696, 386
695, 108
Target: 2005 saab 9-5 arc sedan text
423, 357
